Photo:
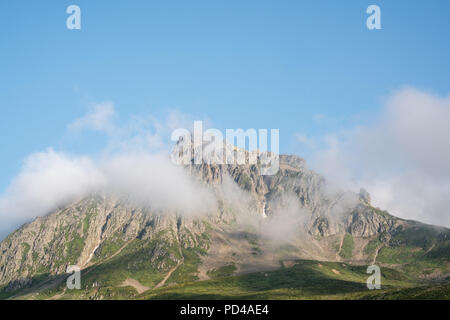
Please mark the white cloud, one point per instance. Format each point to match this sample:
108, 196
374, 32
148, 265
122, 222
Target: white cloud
287, 219
47, 180
51, 179
135, 163
100, 118
402, 158
152, 180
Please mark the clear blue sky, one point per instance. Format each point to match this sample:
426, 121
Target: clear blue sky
249, 64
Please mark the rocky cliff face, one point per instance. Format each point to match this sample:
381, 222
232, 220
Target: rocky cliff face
113, 239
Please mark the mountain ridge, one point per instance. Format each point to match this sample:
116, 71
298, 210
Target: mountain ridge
258, 222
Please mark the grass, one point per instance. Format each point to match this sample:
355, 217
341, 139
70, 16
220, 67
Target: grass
74, 248
372, 246
109, 247
225, 271
398, 255
407, 259
188, 270
92, 212
305, 280
26, 249
347, 247
424, 292
417, 245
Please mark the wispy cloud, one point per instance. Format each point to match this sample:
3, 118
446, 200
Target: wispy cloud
318, 117
100, 118
305, 140
402, 157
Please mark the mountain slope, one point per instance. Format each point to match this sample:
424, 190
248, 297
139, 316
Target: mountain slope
261, 223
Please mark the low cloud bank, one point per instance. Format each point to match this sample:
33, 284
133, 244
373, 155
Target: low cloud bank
135, 163
47, 180
402, 157
51, 179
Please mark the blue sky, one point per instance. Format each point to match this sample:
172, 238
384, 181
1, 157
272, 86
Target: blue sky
249, 64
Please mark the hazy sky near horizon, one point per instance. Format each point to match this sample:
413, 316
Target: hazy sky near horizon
309, 68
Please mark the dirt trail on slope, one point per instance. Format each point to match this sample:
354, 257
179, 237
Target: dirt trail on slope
163, 282
338, 257
376, 254
140, 288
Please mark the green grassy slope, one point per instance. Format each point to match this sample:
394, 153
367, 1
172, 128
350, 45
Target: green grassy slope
414, 265
305, 280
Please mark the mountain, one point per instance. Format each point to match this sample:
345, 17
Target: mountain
288, 235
